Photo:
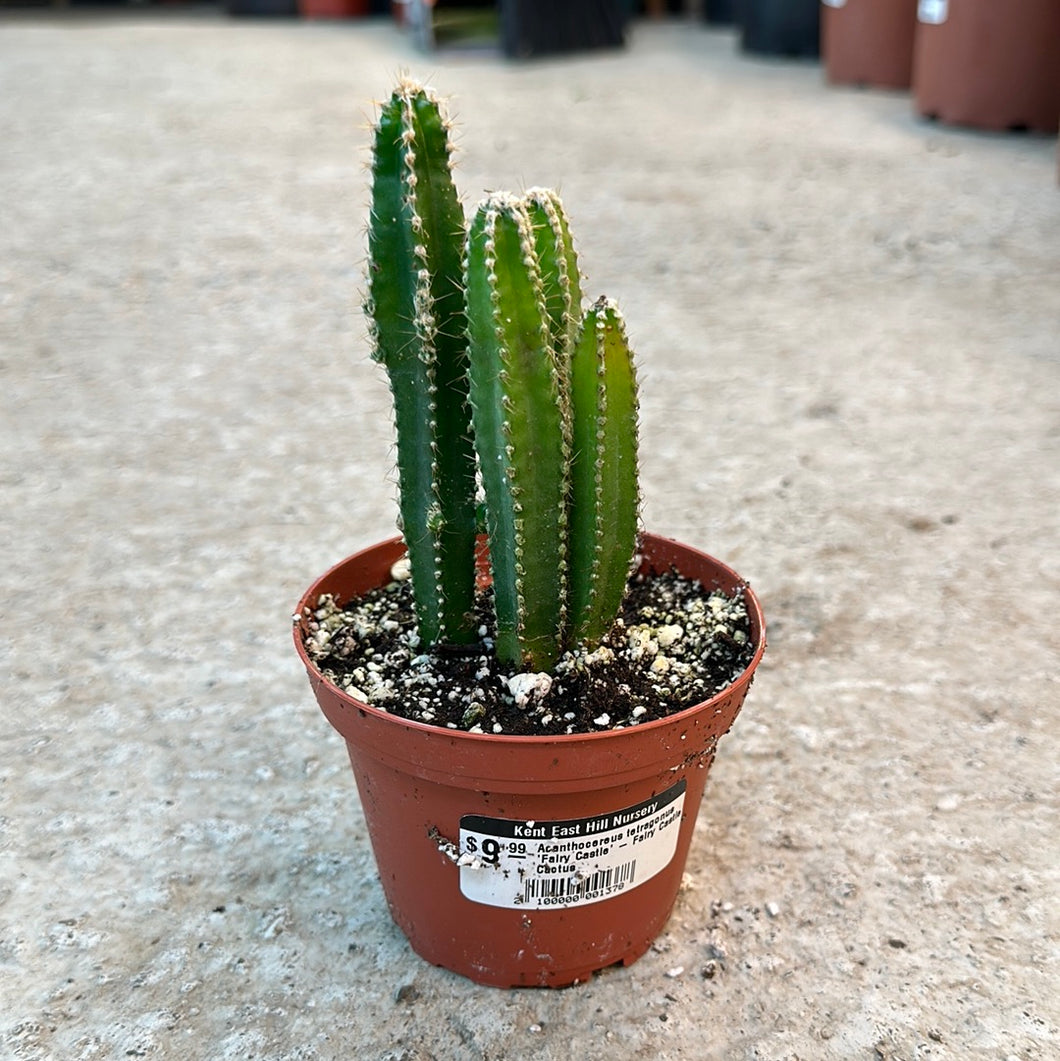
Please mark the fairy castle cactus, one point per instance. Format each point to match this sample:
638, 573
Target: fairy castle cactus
495, 324
416, 305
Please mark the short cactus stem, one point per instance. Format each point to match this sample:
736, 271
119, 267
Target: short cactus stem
604, 501
416, 305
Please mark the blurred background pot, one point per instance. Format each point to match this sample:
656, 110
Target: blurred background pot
988, 64
720, 12
780, 27
545, 27
262, 8
869, 42
331, 9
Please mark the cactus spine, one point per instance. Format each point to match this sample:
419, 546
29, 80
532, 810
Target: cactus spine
417, 308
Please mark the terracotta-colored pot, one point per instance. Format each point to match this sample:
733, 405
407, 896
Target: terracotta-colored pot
988, 64
572, 848
331, 9
869, 42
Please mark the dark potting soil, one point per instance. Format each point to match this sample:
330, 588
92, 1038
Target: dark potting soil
674, 645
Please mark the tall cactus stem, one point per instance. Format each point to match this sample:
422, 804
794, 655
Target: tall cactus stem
417, 308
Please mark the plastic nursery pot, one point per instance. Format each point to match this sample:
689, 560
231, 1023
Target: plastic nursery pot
262, 8
989, 65
869, 42
780, 27
530, 861
332, 9
719, 12
530, 28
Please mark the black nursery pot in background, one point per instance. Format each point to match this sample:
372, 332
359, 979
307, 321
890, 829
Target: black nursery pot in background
262, 8
545, 27
780, 27
721, 12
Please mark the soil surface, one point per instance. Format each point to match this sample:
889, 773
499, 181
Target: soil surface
846, 322
673, 645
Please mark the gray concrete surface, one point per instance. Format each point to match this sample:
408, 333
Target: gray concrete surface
847, 323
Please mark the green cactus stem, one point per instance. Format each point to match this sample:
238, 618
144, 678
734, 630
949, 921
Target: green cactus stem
520, 414
417, 308
604, 502
558, 263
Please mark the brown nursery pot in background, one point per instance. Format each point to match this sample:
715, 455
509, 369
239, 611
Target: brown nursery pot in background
869, 42
331, 9
571, 848
988, 64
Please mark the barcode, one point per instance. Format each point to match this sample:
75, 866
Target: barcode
614, 878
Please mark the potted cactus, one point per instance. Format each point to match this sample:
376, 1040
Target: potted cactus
537, 837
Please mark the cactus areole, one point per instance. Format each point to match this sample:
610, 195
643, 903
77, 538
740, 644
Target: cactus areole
531, 811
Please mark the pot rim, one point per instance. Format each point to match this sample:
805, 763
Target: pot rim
396, 546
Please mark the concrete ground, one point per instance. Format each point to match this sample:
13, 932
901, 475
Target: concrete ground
848, 326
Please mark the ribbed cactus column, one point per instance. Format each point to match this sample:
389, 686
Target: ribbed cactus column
604, 501
417, 308
558, 264
520, 415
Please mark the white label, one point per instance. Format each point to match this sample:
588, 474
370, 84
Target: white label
532, 865
835, 3
933, 12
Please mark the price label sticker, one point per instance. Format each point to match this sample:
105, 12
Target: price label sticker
538, 865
